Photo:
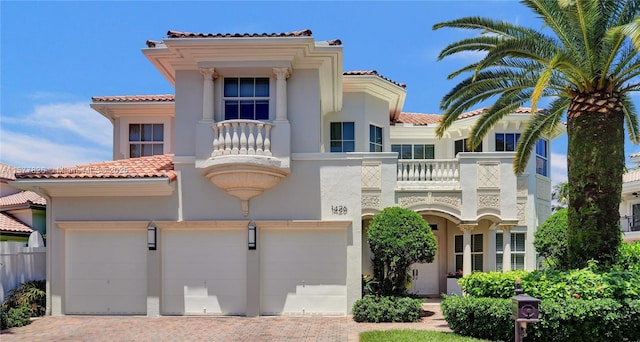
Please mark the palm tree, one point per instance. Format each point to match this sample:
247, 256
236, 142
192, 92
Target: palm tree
586, 62
560, 194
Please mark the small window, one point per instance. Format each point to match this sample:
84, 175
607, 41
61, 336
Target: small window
375, 138
342, 137
246, 98
461, 146
414, 151
477, 261
506, 142
517, 251
146, 140
542, 160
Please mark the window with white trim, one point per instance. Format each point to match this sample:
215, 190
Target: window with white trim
477, 260
246, 98
342, 137
461, 146
542, 157
375, 138
146, 140
506, 142
414, 151
517, 250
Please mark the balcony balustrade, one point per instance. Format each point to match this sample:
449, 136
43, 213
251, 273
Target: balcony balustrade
429, 172
241, 137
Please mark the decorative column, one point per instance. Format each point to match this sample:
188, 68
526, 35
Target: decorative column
281, 93
466, 241
506, 246
209, 75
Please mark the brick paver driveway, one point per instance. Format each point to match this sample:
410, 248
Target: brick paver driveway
281, 328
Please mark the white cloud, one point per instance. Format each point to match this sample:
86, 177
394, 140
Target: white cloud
55, 134
558, 168
24, 150
69, 118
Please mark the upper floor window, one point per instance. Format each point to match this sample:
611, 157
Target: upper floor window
246, 98
146, 140
342, 137
375, 138
414, 151
517, 251
461, 146
542, 157
507, 142
477, 261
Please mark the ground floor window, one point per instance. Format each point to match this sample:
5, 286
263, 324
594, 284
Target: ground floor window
517, 251
477, 260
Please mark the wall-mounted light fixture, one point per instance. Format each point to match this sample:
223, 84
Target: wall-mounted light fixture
251, 229
152, 235
635, 194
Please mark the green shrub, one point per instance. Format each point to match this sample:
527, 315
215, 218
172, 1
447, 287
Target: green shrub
550, 240
15, 317
30, 294
387, 309
629, 256
631, 310
490, 284
579, 320
486, 318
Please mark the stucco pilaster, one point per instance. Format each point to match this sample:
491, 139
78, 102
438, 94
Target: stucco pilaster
466, 241
506, 246
207, 93
281, 93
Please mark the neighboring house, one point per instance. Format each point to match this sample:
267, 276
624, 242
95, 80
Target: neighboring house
630, 204
21, 212
249, 192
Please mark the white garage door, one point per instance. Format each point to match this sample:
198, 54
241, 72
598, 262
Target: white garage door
303, 272
204, 272
106, 272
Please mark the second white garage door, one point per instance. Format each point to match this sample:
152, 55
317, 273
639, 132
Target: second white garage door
204, 272
303, 271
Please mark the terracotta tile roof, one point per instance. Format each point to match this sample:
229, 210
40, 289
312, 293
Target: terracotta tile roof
178, 34
521, 110
637, 154
22, 197
631, 176
143, 167
374, 73
7, 172
418, 119
8, 223
135, 98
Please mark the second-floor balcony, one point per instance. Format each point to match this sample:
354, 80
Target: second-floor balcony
241, 137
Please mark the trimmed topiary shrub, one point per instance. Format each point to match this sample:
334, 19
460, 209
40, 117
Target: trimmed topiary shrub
387, 309
399, 237
486, 318
490, 284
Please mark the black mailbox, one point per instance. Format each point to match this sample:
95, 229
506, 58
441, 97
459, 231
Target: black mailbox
524, 308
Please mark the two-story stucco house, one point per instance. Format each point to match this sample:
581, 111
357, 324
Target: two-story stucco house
630, 203
249, 190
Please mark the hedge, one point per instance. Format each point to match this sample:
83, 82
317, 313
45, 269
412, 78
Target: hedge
387, 309
560, 320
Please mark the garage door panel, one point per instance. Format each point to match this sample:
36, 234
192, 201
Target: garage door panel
204, 272
106, 272
303, 272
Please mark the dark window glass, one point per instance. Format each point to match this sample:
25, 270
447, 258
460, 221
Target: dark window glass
231, 110
342, 134
134, 132
459, 244
230, 87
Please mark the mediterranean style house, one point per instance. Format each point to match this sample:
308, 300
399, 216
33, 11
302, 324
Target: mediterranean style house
249, 190
630, 204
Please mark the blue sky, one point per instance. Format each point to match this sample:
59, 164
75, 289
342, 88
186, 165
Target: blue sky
56, 55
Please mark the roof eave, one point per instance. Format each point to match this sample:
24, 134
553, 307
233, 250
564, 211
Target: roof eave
83, 187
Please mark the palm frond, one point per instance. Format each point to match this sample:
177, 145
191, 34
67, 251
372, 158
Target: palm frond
631, 119
480, 43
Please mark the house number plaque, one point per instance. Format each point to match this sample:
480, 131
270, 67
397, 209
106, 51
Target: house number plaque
339, 209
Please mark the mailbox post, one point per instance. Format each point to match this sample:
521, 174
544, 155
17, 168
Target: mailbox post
524, 310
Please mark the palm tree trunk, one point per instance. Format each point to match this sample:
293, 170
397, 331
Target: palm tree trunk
596, 163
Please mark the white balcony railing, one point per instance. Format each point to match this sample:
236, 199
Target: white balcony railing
241, 137
434, 171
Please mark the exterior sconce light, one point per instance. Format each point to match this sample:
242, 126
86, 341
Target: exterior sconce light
251, 228
635, 194
152, 235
